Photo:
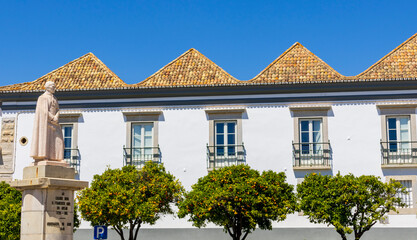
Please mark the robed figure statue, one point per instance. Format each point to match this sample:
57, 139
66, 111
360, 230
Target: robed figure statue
47, 139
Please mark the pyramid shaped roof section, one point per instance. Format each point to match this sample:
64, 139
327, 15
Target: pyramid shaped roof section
297, 65
400, 63
190, 69
84, 73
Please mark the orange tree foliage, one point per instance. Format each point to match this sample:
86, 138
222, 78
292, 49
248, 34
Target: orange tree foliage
10, 208
128, 197
349, 203
239, 199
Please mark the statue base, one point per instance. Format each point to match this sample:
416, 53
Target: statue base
50, 162
48, 202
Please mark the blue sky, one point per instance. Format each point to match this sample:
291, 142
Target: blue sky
137, 38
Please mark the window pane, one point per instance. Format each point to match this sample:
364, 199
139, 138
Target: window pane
231, 151
220, 139
219, 151
404, 123
405, 147
231, 139
316, 137
219, 127
148, 141
393, 147
136, 141
67, 142
67, 153
305, 137
391, 123
305, 148
316, 125
404, 135
231, 127
136, 136
317, 148
392, 135
304, 125
67, 131
407, 198
137, 130
148, 130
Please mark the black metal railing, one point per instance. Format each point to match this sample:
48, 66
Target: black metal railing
138, 156
398, 152
312, 154
72, 157
225, 155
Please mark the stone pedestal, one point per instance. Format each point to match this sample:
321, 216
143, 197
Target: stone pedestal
48, 202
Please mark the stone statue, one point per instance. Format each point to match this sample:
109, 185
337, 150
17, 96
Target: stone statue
47, 139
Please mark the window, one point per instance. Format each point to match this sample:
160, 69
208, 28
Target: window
142, 138
398, 142
142, 141
68, 143
69, 126
225, 145
406, 198
311, 147
310, 137
409, 182
225, 138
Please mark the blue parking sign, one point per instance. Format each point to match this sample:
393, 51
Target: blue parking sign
100, 232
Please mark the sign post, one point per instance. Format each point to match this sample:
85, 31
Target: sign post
100, 232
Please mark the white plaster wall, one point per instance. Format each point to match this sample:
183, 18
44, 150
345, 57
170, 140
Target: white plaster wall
354, 133
101, 136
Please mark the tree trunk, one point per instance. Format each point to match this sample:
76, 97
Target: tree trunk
120, 232
342, 234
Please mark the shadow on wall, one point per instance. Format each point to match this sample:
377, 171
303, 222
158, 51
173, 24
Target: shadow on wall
1, 156
399, 171
301, 173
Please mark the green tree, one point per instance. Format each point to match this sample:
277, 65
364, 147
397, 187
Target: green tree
10, 208
349, 203
239, 199
10, 213
128, 197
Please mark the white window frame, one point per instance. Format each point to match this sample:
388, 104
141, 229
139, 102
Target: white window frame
226, 144
143, 152
224, 115
410, 209
390, 159
311, 138
321, 160
151, 117
399, 141
63, 126
72, 119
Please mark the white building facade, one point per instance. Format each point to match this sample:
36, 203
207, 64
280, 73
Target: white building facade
297, 116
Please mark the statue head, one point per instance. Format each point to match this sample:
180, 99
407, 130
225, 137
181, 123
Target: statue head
50, 87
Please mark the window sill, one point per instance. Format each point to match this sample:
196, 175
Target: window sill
388, 166
312, 167
404, 211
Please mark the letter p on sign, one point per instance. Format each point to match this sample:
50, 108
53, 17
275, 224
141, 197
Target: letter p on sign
100, 232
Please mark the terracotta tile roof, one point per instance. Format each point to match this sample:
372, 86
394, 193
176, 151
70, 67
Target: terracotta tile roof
190, 69
86, 72
399, 63
297, 64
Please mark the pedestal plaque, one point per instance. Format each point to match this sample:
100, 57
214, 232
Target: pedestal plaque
48, 202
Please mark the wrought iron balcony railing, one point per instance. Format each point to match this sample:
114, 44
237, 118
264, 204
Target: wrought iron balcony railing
312, 154
138, 156
225, 155
398, 152
72, 157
